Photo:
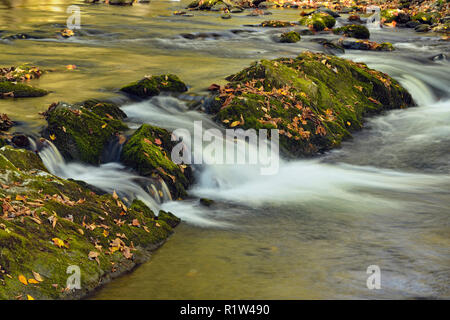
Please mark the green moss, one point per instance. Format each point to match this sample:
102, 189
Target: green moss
84, 221
168, 218
354, 31
426, 17
80, 132
22, 159
20, 90
154, 85
290, 37
385, 46
140, 206
204, 4
319, 21
389, 15
148, 151
314, 100
276, 24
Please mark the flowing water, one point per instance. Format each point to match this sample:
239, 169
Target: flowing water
309, 231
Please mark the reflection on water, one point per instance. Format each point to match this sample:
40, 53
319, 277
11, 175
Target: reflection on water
309, 232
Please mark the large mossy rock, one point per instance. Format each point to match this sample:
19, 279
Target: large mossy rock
154, 85
353, 31
48, 224
19, 90
80, 132
314, 100
318, 21
290, 37
148, 151
11, 78
426, 17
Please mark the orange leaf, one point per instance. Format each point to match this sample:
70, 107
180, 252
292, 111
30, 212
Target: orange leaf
23, 280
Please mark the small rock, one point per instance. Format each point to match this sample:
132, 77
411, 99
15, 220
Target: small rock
206, 202
422, 28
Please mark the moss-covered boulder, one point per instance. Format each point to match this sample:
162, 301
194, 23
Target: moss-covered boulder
353, 31
318, 21
154, 85
314, 100
276, 24
426, 17
148, 151
81, 131
205, 4
49, 226
19, 90
11, 78
290, 37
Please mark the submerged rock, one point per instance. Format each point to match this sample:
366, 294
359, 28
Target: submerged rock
20, 73
154, 85
5, 122
48, 224
290, 37
314, 100
366, 45
19, 90
10, 76
81, 131
148, 151
422, 28
353, 31
276, 24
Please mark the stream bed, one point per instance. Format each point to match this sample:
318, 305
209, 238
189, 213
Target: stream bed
308, 232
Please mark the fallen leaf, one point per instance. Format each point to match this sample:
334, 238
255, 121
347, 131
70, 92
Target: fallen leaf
37, 276
58, 242
23, 279
235, 123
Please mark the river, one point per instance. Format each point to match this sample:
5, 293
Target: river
309, 231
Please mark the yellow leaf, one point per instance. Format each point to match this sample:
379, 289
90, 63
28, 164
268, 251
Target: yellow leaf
115, 196
104, 126
23, 279
29, 297
52, 137
32, 281
113, 249
234, 123
20, 198
105, 233
37, 276
58, 242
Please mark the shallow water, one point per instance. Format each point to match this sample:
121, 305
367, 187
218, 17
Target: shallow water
310, 231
